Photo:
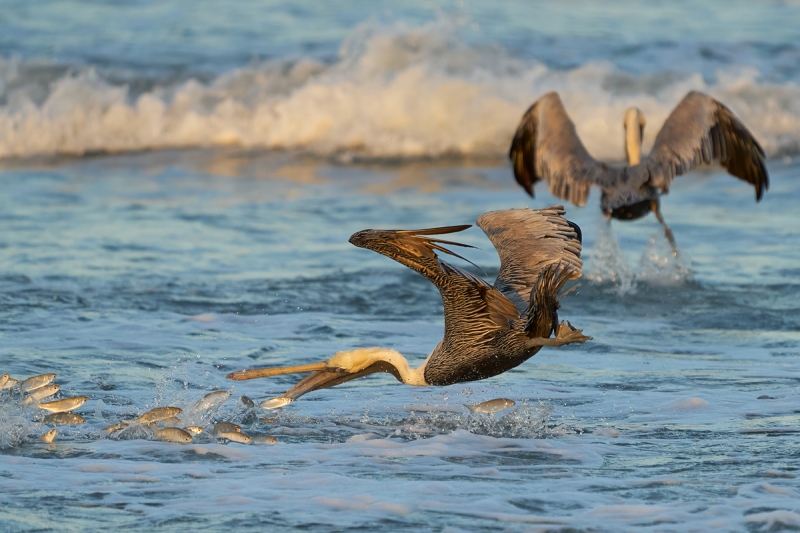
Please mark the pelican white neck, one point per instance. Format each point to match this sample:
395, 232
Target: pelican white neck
634, 133
357, 360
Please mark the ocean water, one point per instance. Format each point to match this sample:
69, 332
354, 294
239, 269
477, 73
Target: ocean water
179, 182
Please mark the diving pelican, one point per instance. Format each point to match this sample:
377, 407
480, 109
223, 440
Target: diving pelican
488, 329
699, 130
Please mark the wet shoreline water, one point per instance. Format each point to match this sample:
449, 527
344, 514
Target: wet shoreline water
178, 189
145, 289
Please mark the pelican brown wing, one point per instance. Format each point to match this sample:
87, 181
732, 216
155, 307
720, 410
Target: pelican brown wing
701, 130
527, 241
547, 147
467, 298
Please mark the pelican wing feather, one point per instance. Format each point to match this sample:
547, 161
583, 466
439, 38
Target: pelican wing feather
527, 241
701, 130
547, 147
469, 301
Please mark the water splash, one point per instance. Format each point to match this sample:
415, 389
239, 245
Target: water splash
660, 265
16, 420
607, 261
20, 425
529, 420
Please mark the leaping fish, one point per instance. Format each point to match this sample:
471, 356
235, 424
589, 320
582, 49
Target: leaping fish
35, 382
263, 439
113, 428
64, 419
212, 398
173, 435
226, 427
48, 436
62, 406
235, 436
491, 406
275, 403
157, 414
41, 393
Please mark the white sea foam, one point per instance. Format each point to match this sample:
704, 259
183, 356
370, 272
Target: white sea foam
393, 92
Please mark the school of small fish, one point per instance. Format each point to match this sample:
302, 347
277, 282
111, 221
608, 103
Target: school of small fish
36, 397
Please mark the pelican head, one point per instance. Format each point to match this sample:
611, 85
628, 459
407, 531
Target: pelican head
634, 133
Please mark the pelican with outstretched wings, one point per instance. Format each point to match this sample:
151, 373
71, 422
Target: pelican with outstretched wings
488, 329
699, 130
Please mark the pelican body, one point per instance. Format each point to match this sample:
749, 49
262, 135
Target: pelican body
488, 329
699, 130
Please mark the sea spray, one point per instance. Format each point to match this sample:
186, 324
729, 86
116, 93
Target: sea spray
394, 91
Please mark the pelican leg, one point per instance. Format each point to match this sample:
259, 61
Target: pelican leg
667, 232
566, 334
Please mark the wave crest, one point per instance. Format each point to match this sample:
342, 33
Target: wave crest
394, 92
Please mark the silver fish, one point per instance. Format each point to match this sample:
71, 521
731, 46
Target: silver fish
212, 398
194, 430
267, 420
113, 428
41, 393
10, 383
48, 436
62, 406
264, 439
64, 419
159, 413
223, 427
35, 382
491, 406
234, 436
3, 380
174, 435
275, 403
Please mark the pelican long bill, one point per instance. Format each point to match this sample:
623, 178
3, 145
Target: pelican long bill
255, 373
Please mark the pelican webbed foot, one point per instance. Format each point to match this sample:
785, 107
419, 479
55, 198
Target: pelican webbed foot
566, 334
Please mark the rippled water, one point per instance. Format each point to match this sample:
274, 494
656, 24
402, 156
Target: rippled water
142, 278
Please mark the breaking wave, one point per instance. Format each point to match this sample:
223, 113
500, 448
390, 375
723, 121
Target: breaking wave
393, 92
